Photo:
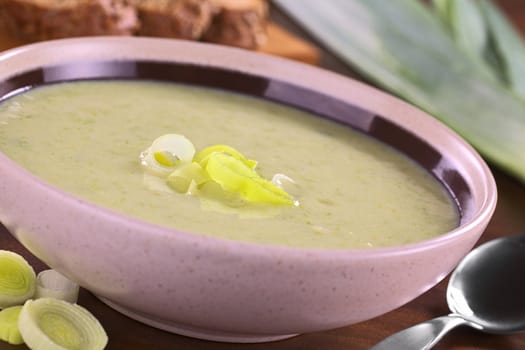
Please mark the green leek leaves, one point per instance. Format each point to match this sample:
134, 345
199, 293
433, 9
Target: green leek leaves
405, 48
508, 45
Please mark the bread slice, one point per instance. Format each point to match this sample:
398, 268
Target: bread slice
239, 23
183, 19
34, 20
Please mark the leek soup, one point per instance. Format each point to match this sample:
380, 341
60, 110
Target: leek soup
351, 191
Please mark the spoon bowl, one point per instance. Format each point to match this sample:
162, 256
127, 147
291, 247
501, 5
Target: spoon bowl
488, 286
485, 292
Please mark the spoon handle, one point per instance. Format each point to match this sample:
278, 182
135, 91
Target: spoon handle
422, 336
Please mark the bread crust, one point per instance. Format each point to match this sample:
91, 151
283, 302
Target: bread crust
183, 19
240, 23
35, 20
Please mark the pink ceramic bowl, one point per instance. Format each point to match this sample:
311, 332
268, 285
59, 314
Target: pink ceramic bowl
226, 290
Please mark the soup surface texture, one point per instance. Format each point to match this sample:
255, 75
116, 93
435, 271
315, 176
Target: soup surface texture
354, 192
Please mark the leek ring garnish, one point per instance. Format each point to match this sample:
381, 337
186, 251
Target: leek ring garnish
203, 156
185, 175
235, 176
17, 279
52, 284
166, 153
53, 324
219, 172
9, 325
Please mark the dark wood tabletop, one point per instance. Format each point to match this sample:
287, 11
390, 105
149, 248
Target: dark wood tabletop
508, 219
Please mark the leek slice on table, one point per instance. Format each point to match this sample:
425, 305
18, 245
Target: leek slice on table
52, 284
52, 324
9, 325
17, 279
404, 48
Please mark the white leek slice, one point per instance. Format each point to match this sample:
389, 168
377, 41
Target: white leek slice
52, 284
166, 153
182, 177
9, 325
52, 324
17, 279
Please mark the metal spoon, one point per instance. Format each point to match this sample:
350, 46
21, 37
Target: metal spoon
486, 292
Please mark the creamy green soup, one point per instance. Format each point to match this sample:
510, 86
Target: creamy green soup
354, 192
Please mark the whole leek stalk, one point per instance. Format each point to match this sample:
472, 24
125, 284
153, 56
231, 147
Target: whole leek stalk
404, 47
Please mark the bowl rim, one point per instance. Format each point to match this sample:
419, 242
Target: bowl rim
22, 59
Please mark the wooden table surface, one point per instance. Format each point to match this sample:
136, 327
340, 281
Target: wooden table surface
508, 219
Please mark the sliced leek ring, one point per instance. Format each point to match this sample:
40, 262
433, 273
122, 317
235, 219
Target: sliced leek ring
52, 284
202, 156
235, 176
173, 158
229, 172
166, 153
183, 176
9, 325
53, 324
260, 190
213, 191
17, 279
